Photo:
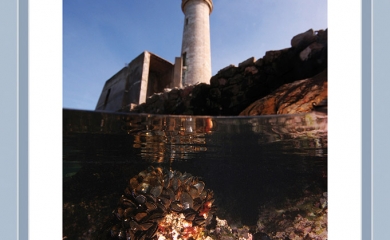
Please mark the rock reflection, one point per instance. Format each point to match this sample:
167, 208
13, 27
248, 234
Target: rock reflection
303, 131
165, 139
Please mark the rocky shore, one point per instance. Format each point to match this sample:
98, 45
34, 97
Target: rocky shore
291, 80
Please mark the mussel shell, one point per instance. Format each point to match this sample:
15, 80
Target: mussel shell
156, 191
203, 195
191, 181
140, 199
186, 200
129, 212
175, 183
139, 216
161, 207
143, 174
177, 174
190, 214
122, 234
152, 231
210, 217
152, 180
193, 191
200, 186
165, 201
151, 198
126, 223
143, 187
185, 176
150, 206
133, 183
170, 174
176, 206
169, 192
155, 216
145, 226
199, 221
141, 235
119, 213
198, 203
158, 171
166, 181
114, 231
134, 226
127, 203
131, 234
128, 192
210, 195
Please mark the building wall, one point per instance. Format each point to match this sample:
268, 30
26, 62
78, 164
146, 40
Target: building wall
112, 93
132, 85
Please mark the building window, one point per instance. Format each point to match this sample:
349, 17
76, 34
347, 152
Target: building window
186, 21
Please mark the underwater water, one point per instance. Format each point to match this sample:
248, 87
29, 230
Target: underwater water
252, 164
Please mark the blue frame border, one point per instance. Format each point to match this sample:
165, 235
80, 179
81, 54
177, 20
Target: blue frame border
14, 120
366, 118
23, 119
380, 116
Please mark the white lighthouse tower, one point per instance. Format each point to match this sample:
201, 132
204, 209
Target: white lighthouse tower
195, 51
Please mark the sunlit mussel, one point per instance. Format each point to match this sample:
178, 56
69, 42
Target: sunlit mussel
176, 206
196, 189
186, 200
190, 214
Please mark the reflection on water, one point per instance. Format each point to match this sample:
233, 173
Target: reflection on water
250, 163
166, 139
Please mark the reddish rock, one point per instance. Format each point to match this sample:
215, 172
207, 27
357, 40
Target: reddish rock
296, 97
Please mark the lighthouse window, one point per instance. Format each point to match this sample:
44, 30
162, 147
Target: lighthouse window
186, 21
184, 59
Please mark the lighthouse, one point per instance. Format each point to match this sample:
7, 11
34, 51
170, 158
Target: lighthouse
195, 51
149, 74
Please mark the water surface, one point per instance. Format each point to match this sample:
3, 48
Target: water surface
249, 162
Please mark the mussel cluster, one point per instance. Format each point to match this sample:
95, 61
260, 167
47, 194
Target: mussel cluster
158, 205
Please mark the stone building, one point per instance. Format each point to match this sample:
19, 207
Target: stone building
148, 73
145, 75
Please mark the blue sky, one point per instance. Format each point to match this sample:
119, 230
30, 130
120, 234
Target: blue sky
100, 37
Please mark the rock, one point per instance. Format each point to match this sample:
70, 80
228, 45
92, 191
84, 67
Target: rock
234, 88
259, 62
271, 56
310, 50
297, 97
303, 38
249, 61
